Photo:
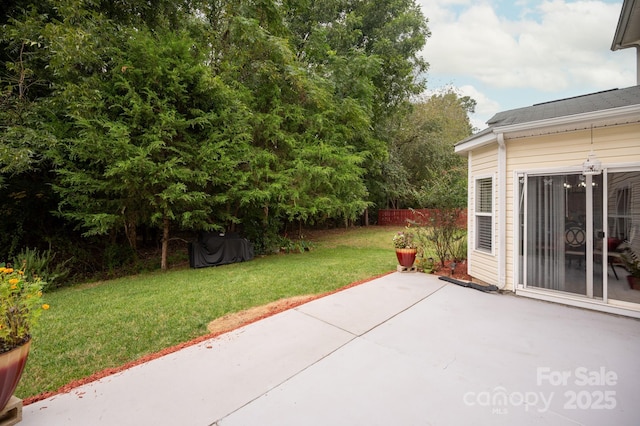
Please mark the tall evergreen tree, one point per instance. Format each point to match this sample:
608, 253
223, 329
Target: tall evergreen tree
370, 51
154, 136
304, 163
200, 114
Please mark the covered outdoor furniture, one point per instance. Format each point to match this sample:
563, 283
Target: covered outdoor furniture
213, 249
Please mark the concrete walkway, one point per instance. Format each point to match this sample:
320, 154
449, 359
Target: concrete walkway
404, 349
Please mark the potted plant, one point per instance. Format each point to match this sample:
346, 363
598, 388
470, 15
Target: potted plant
20, 307
632, 263
406, 248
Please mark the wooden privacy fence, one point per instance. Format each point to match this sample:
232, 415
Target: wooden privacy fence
400, 216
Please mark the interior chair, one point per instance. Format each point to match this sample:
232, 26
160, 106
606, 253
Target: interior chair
574, 241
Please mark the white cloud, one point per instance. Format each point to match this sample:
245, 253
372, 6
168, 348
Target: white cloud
548, 54
552, 46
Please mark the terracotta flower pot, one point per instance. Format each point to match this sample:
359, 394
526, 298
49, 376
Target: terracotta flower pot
634, 282
11, 366
406, 257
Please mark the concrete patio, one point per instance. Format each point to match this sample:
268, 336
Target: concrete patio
403, 349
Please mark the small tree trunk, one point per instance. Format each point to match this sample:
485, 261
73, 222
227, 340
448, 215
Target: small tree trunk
131, 233
165, 243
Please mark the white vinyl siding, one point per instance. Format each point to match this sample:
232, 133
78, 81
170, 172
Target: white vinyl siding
564, 152
482, 264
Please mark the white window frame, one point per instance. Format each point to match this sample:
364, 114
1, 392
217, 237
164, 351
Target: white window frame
486, 212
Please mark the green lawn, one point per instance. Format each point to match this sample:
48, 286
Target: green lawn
101, 325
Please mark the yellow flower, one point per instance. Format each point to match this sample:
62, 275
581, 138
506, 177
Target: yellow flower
8, 270
45, 306
2, 268
13, 282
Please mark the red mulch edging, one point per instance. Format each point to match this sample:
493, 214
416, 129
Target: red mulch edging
459, 273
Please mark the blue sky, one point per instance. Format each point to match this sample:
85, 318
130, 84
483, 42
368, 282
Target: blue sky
514, 53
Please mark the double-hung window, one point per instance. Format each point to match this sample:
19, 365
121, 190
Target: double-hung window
484, 214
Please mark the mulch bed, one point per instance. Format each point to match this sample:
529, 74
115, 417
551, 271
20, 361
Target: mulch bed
459, 273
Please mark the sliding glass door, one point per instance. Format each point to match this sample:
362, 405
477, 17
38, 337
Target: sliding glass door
560, 232
545, 254
623, 223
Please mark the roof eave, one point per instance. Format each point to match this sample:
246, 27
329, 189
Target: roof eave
629, 18
621, 115
475, 142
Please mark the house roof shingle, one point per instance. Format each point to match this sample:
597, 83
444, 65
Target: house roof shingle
592, 102
615, 106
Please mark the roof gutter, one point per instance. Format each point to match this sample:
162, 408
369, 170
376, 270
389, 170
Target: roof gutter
473, 143
628, 114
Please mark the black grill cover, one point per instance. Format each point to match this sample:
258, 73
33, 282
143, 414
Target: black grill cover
212, 249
